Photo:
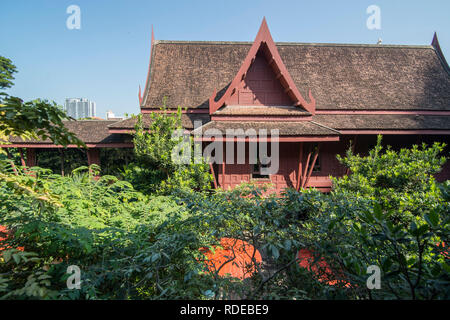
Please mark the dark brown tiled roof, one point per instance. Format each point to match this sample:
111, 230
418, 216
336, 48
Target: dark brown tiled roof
385, 122
187, 121
89, 131
340, 76
300, 128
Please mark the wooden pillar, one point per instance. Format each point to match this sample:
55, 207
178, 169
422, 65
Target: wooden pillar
305, 170
211, 166
300, 169
316, 154
22, 158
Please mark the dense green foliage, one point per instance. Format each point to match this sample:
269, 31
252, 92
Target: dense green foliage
389, 212
159, 150
139, 232
132, 246
7, 69
27, 120
32, 119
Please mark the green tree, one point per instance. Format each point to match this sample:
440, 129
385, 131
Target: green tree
37, 119
7, 69
155, 146
33, 119
391, 213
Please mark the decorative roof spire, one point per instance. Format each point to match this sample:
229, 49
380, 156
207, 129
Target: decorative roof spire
437, 47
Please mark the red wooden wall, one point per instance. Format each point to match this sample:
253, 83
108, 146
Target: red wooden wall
260, 87
288, 167
329, 165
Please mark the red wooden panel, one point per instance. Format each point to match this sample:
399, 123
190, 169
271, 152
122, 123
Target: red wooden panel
260, 86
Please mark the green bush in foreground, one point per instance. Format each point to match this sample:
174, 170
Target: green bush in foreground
134, 246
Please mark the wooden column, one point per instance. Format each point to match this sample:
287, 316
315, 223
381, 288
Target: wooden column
300, 169
211, 166
305, 170
316, 154
22, 158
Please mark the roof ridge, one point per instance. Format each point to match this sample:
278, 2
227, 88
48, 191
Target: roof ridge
318, 44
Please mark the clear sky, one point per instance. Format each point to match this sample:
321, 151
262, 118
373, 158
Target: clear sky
107, 58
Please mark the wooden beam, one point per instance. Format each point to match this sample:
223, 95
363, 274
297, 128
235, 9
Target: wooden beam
287, 89
22, 159
316, 154
306, 167
214, 175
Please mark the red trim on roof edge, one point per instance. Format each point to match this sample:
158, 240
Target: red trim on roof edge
385, 112
147, 81
437, 47
263, 37
53, 146
261, 118
269, 139
150, 110
428, 131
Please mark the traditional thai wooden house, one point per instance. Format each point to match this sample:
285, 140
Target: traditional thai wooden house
319, 96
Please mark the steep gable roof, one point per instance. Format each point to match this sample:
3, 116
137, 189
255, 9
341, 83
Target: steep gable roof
342, 76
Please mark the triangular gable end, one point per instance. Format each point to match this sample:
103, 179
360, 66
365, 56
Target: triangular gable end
263, 45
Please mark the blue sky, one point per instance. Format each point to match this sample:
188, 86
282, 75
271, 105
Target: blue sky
107, 58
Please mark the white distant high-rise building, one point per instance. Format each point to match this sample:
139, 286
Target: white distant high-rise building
111, 116
79, 108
